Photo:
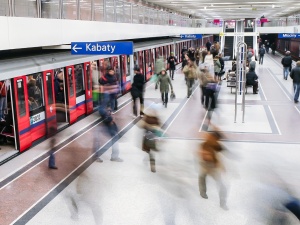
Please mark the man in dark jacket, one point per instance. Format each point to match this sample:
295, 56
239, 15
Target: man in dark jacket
286, 61
261, 53
172, 64
251, 79
295, 75
110, 88
137, 91
208, 45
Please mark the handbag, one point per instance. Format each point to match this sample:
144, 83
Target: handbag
212, 86
172, 96
150, 140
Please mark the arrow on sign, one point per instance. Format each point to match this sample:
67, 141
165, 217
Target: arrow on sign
181, 36
74, 48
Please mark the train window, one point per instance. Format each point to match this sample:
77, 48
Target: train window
79, 80
88, 77
59, 86
128, 66
35, 91
70, 79
21, 98
49, 88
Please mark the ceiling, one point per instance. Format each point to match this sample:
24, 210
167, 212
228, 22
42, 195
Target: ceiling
232, 9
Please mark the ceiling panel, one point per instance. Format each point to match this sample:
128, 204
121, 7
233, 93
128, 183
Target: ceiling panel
235, 9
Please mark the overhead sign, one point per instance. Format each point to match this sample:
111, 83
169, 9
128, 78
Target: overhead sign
190, 36
289, 35
102, 48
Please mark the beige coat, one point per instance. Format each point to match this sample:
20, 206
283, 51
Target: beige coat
205, 77
191, 72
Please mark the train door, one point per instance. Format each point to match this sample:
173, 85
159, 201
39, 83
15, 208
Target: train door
141, 62
148, 68
80, 90
125, 73
49, 97
21, 105
152, 60
115, 64
61, 100
88, 87
70, 94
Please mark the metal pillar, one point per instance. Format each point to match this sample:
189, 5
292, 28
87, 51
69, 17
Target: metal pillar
240, 77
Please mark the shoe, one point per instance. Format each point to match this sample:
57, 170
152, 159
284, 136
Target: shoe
255, 93
116, 159
53, 167
224, 207
99, 160
296, 101
204, 195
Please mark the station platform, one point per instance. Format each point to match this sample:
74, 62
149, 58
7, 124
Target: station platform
263, 166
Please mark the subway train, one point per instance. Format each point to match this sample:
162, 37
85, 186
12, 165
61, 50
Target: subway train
56, 90
292, 45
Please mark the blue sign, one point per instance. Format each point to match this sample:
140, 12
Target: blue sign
102, 48
289, 35
190, 36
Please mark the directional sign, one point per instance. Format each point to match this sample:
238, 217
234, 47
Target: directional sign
102, 48
190, 36
289, 35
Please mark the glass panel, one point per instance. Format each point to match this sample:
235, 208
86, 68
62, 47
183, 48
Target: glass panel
21, 98
35, 91
50, 9
119, 11
59, 87
135, 14
70, 79
146, 15
88, 76
4, 9
70, 9
85, 9
141, 14
79, 80
98, 10
25, 8
109, 9
49, 88
127, 16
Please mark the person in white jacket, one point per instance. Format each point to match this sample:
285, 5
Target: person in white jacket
209, 62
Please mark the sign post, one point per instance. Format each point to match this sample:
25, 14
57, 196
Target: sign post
190, 36
102, 48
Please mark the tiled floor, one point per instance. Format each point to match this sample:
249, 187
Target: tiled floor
264, 161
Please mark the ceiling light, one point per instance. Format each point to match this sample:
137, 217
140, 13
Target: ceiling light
273, 6
211, 5
204, 7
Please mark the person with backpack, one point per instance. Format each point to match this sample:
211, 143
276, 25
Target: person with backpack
286, 61
210, 164
261, 53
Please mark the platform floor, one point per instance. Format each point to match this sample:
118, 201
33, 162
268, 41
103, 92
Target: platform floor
264, 162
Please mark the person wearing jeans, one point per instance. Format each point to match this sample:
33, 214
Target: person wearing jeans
295, 75
165, 81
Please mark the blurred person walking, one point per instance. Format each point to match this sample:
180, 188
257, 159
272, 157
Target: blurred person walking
286, 62
51, 163
261, 53
164, 81
110, 87
204, 77
295, 75
172, 64
137, 91
191, 73
210, 164
151, 125
112, 130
